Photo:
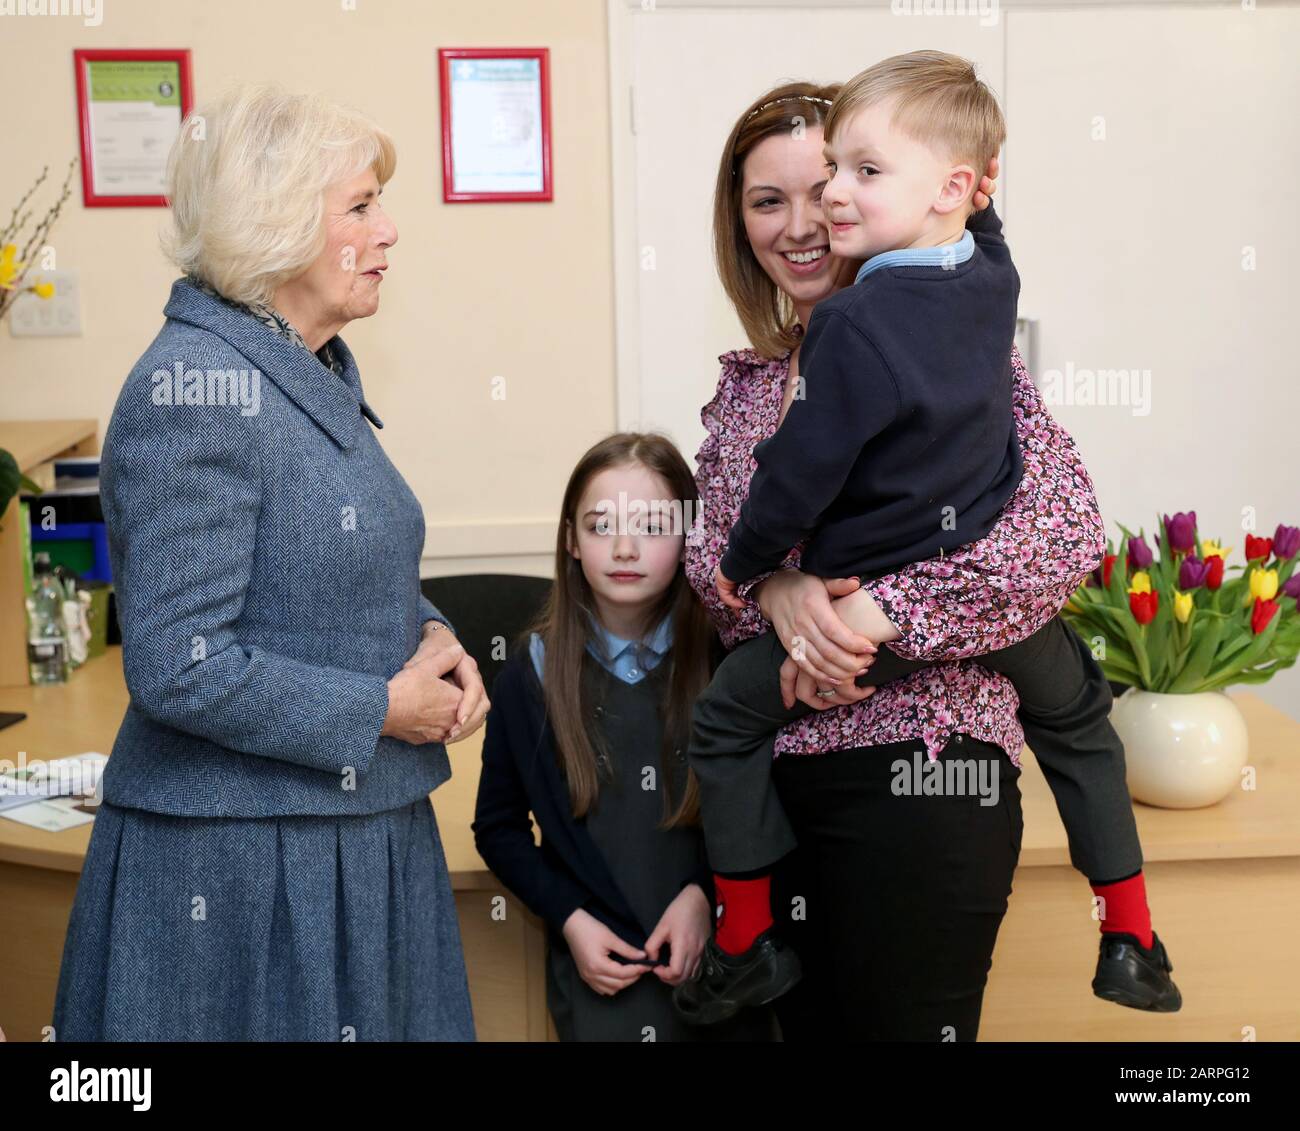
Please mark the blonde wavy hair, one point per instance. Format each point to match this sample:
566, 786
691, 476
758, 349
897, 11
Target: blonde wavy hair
247, 177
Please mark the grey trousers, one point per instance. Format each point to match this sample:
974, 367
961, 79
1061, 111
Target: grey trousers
1064, 710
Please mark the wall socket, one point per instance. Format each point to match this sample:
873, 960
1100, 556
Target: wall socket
56, 317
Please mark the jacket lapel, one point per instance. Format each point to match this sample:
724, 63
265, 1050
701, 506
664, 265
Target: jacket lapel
333, 403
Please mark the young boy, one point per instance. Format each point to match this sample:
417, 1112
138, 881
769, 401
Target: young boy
903, 448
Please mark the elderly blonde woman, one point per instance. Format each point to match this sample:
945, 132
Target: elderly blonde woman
265, 863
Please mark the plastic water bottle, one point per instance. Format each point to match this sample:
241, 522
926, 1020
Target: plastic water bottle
47, 643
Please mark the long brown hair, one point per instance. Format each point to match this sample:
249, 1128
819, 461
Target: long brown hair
564, 626
764, 310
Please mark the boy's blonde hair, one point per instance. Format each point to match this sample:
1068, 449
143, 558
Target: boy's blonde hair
939, 102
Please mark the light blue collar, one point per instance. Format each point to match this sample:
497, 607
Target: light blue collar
945, 255
629, 660
658, 642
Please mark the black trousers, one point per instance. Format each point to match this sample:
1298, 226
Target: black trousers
893, 903
1065, 706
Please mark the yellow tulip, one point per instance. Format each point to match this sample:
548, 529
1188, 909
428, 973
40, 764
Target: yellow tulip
1210, 549
1182, 606
1263, 584
44, 290
1141, 582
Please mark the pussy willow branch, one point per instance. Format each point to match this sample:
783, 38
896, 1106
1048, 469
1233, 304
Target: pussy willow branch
37, 239
38, 236
16, 222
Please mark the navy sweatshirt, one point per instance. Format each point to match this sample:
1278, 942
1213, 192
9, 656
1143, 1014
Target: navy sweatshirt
903, 444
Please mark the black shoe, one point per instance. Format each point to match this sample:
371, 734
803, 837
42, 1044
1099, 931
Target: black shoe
723, 982
1129, 974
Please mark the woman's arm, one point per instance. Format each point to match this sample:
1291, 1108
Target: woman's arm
182, 490
503, 829
984, 596
429, 612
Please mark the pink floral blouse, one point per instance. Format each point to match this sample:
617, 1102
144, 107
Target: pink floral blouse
983, 596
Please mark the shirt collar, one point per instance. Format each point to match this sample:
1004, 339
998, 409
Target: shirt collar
658, 641
945, 255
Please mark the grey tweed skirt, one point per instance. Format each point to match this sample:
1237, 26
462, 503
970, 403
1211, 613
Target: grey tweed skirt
298, 928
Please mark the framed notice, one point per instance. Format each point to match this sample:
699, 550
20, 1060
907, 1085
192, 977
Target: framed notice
496, 123
130, 104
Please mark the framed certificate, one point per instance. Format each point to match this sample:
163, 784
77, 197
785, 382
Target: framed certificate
496, 123
130, 104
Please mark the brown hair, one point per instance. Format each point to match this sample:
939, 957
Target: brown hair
939, 101
564, 626
764, 310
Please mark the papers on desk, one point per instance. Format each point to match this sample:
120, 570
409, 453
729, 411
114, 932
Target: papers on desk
51, 795
52, 816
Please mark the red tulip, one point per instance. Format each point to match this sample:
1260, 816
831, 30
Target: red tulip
1101, 576
1143, 606
1262, 614
1258, 547
1214, 576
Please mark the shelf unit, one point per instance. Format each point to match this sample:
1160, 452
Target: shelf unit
32, 443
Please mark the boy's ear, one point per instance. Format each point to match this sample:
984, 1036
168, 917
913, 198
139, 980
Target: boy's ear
957, 189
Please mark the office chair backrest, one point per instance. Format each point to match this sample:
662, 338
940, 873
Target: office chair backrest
488, 610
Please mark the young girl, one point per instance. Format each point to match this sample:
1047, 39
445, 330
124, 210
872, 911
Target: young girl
588, 731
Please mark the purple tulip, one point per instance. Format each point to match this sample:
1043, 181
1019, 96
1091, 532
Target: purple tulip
1192, 572
1180, 531
1292, 587
1286, 541
1139, 553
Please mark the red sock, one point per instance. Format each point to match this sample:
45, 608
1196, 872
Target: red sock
746, 911
1126, 909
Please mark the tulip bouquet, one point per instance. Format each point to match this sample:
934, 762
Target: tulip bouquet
1185, 622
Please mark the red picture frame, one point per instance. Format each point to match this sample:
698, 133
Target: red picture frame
446, 56
83, 56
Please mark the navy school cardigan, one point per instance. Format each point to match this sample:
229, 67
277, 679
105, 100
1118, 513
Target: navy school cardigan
520, 775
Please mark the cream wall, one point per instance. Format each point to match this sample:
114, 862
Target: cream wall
475, 291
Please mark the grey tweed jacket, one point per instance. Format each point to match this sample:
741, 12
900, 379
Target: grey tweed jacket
265, 556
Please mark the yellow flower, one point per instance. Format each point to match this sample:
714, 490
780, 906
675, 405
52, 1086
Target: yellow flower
44, 290
1210, 549
9, 266
1263, 583
1182, 606
1141, 582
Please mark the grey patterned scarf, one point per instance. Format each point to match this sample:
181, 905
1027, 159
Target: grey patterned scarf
274, 321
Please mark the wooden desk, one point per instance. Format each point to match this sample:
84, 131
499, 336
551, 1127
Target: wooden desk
39, 871
1224, 885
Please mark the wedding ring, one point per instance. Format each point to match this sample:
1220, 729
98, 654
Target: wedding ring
826, 692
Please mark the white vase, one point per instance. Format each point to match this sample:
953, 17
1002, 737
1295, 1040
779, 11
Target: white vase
1182, 751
